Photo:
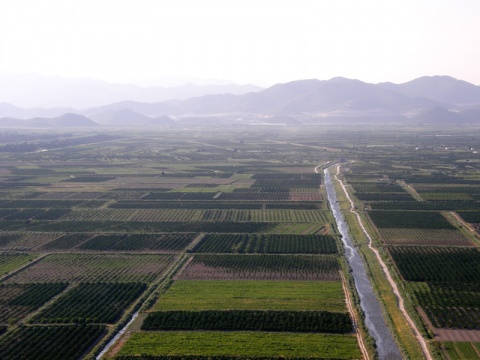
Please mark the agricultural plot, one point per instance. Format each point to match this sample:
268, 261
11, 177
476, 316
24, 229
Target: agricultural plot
18, 300
9, 262
95, 268
249, 320
439, 265
462, 350
445, 196
179, 215
409, 220
449, 306
388, 196
262, 267
29, 241
444, 282
267, 244
426, 237
189, 205
377, 188
253, 295
91, 303
50, 342
424, 205
242, 344
67, 241
139, 242
471, 216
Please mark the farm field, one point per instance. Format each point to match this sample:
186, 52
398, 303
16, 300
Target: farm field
242, 344
220, 220
253, 295
93, 233
262, 267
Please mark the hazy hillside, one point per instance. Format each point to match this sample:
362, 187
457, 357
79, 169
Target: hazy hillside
33, 90
444, 89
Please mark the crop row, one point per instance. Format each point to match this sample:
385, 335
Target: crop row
49, 343
249, 320
9, 262
449, 307
287, 176
265, 267
425, 205
402, 219
67, 241
17, 300
472, 216
89, 179
429, 188
445, 237
183, 205
130, 242
95, 268
32, 214
147, 227
216, 215
435, 264
384, 196
180, 196
287, 183
91, 303
377, 188
26, 241
29, 204
269, 244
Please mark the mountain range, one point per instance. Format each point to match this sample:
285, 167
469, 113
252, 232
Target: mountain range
427, 100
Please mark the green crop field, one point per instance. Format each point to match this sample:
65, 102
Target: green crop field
253, 295
242, 344
9, 262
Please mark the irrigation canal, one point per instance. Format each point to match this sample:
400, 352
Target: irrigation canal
374, 320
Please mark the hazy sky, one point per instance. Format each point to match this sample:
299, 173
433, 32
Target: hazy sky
246, 41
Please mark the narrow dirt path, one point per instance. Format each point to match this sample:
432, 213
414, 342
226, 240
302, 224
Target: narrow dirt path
400, 301
353, 314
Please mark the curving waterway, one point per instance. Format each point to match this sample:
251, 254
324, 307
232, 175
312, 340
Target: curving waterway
374, 320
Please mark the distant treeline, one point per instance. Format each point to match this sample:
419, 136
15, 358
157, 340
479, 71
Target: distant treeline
55, 144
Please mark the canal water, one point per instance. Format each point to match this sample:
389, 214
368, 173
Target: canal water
374, 320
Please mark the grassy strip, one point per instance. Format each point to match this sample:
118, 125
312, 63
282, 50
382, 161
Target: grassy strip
242, 344
253, 295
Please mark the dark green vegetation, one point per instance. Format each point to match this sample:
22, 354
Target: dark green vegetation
409, 220
92, 303
18, 300
242, 320
50, 342
268, 244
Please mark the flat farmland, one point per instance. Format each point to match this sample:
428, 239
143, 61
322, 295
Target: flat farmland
19, 300
427, 237
95, 268
409, 220
12, 261
268, 244
179, 215
262, 267
242, 344
253, 295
